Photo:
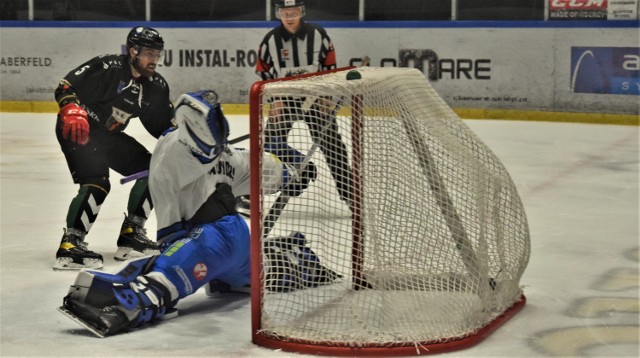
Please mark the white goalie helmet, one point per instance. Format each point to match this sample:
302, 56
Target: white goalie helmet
203, 126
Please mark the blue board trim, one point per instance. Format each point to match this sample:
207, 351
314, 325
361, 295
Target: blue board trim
330, 24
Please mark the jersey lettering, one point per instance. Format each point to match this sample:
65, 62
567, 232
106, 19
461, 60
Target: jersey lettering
82, 69
223, 168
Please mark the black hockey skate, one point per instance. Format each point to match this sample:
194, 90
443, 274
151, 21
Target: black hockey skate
133, 242
100, 322
73, 253
291, 265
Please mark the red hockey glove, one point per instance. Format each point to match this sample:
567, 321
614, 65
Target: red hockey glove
75, 126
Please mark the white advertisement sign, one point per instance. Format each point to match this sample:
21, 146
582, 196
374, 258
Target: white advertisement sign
622, 10
505, 68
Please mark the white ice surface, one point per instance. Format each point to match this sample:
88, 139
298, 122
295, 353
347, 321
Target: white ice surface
579, 184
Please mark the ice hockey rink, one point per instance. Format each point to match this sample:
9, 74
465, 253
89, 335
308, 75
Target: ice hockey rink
579, 184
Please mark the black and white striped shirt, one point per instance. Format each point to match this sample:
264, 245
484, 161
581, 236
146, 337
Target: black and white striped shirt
282, 54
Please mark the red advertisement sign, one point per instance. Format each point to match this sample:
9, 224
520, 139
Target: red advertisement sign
578, 9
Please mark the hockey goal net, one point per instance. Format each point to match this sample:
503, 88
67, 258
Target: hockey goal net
419, 231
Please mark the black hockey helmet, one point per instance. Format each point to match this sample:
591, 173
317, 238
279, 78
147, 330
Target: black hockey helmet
284, 4
145, 37
288, 3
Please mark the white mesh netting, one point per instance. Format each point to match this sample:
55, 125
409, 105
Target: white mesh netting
415, 213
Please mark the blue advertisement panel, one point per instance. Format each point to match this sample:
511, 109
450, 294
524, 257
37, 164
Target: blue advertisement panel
606, 70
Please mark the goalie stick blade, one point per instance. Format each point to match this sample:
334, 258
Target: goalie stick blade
96, 331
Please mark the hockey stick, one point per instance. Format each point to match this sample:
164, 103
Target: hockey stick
239, 139
281, 201
136, 176
145, 173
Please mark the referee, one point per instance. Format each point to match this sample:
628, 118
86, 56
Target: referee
296, 47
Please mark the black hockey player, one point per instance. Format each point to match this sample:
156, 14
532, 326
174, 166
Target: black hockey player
97, 99
297, 47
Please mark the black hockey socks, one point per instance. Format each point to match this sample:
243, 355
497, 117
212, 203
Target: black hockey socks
84, 208
140, 204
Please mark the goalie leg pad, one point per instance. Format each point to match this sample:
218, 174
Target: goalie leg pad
291, 265
113, 303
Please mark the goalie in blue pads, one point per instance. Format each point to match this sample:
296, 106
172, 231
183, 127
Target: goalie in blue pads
194, 180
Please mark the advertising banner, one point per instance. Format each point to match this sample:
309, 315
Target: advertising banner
607, 70
622, 10
549, 69
578, 9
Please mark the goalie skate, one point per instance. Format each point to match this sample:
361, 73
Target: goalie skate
103, 332
100, 333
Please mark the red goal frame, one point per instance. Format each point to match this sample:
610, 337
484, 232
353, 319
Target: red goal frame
257, 213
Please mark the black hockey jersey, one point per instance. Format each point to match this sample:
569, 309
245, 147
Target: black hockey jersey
282, 54
106, 88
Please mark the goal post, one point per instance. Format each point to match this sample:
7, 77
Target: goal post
411, 240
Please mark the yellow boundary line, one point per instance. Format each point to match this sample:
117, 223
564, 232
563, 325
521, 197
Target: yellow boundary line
467, 113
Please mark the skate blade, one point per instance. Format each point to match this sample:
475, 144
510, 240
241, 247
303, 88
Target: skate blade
96, 331
126, 253
67, 264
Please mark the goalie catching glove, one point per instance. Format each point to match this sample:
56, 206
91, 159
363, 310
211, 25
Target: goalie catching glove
291, 265
75, 126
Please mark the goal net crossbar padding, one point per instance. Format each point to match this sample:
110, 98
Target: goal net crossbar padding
418, 217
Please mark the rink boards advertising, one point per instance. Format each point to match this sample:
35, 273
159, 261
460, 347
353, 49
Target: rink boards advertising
516, 66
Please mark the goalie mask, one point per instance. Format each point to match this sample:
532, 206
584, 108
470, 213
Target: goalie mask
203, 126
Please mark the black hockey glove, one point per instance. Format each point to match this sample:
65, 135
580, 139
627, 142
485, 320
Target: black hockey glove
291, 265
294, 185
